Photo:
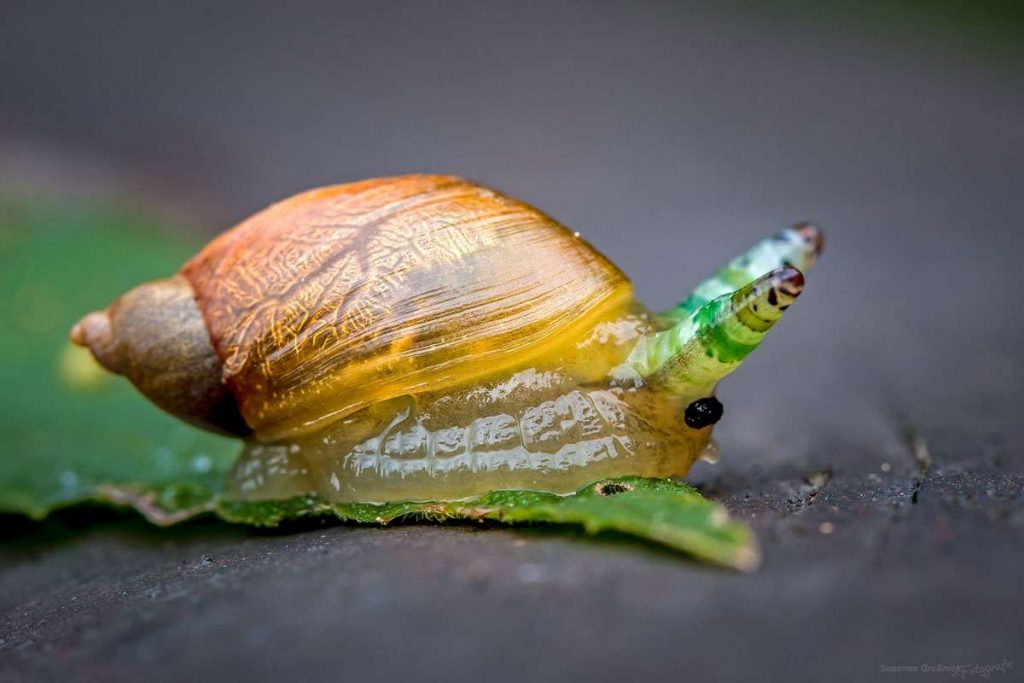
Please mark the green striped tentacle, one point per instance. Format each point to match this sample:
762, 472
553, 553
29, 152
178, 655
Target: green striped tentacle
690, 357
799, 246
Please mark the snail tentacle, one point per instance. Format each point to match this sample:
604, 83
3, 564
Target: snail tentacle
798, 246
693, 355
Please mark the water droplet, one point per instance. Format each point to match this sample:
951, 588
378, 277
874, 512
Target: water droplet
710, 453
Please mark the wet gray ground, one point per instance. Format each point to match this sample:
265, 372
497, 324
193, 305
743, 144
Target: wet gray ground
874, 443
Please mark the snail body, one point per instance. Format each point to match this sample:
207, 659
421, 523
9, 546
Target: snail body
424, 337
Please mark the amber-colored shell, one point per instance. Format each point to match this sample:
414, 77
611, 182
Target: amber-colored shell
345, 295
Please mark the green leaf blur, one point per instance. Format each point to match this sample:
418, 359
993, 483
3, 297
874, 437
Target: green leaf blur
68, 428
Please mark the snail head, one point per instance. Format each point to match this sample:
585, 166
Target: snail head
710, 333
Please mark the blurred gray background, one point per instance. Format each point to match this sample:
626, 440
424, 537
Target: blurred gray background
672, 135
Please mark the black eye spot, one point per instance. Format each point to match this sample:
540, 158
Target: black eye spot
703, 412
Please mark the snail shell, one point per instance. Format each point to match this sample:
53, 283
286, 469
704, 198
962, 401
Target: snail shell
347, 295
427, 337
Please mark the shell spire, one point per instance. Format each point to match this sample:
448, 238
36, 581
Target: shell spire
693, 355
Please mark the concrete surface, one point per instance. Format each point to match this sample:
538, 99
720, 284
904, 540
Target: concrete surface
874, 442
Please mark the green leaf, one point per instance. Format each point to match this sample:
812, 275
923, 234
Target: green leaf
663, 511
68, 427
72, 433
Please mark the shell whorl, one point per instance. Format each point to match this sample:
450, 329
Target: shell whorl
349, 294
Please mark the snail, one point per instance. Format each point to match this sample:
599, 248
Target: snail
424, 337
